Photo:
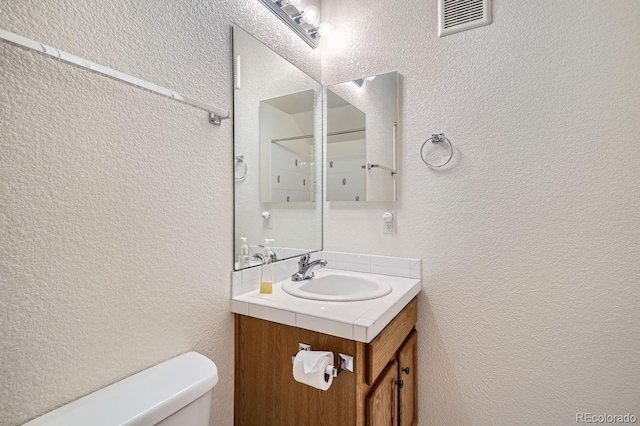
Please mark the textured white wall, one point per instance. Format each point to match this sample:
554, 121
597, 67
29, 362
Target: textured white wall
116, 215
531, 296
111, 261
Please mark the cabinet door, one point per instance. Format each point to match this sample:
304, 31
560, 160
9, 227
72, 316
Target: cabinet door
408, 374
382, 400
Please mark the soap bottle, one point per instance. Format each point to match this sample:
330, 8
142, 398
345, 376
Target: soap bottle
243, 259
266, 280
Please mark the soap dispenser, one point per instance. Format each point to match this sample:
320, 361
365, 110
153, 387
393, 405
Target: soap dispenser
266, 281
243, 259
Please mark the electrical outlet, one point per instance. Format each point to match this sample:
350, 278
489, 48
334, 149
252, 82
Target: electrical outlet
267, 219
389, 220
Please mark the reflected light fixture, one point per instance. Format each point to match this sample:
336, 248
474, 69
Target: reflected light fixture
303, 22
360, 81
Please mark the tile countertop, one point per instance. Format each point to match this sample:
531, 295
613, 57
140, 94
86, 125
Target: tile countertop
361, 321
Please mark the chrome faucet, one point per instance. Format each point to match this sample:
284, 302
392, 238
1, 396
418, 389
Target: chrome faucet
260, 256
305, 268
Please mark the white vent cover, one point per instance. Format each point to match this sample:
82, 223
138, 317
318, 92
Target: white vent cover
460, 15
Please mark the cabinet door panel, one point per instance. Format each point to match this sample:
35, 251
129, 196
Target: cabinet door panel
408, 373
382, 401
384, 347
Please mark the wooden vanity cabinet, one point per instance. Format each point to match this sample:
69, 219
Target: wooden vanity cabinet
382, 400
408, 376
393, 399
382, 390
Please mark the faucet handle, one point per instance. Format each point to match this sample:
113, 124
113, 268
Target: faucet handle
304, 259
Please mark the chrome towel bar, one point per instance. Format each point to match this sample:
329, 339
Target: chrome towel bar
380, 166
216, 115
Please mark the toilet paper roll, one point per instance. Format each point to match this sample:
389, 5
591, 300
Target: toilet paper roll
319, 376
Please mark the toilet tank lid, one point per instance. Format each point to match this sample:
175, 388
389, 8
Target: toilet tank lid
145, 398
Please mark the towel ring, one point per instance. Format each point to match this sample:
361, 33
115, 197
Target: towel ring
240, 159
436, 138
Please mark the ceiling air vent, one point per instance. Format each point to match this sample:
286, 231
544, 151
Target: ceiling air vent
460, 15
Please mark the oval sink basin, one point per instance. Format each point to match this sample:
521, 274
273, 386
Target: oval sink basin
338, 287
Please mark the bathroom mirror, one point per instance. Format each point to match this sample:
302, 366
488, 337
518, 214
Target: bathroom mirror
362, 123
277, 147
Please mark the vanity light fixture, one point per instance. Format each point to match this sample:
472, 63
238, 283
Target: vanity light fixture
310, 15
302, 22
323, 30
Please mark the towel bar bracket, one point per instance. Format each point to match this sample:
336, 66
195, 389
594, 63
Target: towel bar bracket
216, 119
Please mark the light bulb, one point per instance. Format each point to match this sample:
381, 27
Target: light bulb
370, 78
324, 28
311, 15
285, 3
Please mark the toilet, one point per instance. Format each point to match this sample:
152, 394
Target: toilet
177, 392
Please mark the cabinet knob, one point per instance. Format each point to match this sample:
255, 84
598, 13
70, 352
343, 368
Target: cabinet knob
406, 370
400, 383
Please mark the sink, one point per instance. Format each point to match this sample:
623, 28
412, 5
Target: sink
338, 286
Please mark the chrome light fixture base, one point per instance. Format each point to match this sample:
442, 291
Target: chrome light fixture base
291, 16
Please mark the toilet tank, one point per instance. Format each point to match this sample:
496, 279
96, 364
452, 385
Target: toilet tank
176, 392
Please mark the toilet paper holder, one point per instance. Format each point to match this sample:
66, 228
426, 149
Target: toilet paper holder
345, 362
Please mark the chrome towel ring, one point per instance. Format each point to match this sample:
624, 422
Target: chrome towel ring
437, 138
240, 159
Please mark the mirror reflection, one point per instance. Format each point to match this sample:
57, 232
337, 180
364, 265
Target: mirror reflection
277, 118
287, 148
346, 150
362, 121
